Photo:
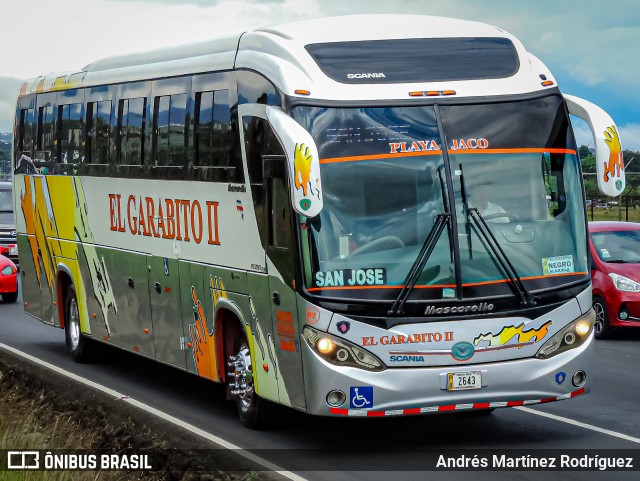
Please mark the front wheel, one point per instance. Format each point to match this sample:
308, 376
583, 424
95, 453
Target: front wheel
602, 328
79, 346
254, 412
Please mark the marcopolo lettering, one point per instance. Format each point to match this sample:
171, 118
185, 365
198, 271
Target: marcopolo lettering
464, 309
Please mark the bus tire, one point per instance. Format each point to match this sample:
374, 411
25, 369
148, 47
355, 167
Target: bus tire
601, 327
253, 411
77, 343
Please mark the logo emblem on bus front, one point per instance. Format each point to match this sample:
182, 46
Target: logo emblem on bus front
462, 351
343, 326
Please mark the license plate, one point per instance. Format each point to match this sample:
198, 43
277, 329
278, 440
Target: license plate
460, 381
13, 251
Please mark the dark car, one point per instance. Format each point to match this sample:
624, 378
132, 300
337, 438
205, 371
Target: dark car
615, 272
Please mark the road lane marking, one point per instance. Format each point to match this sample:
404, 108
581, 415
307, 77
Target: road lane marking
161, 414
580, 424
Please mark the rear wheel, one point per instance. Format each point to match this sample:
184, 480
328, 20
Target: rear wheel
254, 412
601, 327
79, 346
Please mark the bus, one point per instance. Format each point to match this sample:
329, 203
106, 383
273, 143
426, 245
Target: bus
370, 216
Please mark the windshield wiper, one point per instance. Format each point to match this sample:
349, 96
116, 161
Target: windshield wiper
482, 230
440, 222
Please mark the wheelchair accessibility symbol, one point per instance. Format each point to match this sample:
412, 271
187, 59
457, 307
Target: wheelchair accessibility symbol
361, 397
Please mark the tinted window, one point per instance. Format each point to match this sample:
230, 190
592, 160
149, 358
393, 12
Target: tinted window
617, 246
99, 127
131, 130
25, 143
46, 124
71, 132
169, 135
416, 59
214, 137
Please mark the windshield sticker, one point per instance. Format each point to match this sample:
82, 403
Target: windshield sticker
371, 276
557, 265
469, 144
448, 293
419, 146
432, 145
605, 253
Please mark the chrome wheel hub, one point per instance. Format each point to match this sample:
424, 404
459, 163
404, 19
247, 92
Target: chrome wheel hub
242, 375
74, 324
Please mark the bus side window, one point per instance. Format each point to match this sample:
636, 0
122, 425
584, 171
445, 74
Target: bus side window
277, 200
169, 141
262, 148
70, 133
131, 121
46, 126
98, 132
214, 138
25, 139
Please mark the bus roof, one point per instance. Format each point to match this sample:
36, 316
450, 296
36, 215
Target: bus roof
354, 57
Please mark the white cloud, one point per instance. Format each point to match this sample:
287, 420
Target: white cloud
630, 138
87, 30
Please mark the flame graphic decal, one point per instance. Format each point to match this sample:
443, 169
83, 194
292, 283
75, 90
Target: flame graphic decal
201, 331
616, 162
302, 165
508, 333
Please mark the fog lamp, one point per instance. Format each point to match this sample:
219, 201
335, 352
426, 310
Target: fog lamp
583, 327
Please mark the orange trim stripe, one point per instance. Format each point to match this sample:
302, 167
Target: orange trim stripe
356, 158
441, 286
512, 151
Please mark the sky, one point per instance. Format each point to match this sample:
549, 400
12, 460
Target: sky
591, 46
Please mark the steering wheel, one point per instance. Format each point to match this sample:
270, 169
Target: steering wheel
509, 215
380, 244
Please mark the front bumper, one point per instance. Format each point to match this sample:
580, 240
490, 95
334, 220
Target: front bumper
618, 301
409, 391
8, 284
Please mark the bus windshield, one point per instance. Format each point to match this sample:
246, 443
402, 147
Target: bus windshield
386, 178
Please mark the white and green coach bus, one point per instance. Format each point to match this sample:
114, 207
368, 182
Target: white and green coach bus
351, 216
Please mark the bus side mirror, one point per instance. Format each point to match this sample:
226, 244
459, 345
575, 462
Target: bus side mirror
302, 160
609, 160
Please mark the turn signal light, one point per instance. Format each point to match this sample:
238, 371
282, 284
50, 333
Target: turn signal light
431, 93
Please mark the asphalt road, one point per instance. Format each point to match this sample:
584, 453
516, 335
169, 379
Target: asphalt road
376, 449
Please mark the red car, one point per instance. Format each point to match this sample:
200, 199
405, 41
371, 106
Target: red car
8, 280
615, 273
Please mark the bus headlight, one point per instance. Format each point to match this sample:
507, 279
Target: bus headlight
340, 352
574, 335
